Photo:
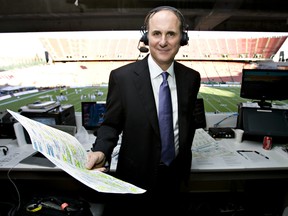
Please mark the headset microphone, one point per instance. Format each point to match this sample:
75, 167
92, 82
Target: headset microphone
142, 49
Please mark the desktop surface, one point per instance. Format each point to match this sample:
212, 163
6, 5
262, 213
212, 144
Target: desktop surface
209, 154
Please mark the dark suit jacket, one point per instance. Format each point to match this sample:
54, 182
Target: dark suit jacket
131, 109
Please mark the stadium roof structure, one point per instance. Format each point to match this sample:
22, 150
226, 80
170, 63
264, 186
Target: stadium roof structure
92, 15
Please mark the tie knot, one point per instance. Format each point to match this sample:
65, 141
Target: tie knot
165, 75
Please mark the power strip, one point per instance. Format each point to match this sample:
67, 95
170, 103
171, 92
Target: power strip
221, 132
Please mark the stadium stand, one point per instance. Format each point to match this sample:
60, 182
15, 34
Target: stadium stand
89, 60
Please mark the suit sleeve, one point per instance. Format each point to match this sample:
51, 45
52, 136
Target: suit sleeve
108, 133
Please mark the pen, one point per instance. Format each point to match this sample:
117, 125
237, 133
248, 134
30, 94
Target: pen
245, 151
262, 155
239, 152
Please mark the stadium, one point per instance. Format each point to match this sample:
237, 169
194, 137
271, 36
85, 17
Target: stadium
78, 64
64, 51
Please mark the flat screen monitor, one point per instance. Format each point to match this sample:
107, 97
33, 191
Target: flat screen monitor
258, 123
264, 84
92, 114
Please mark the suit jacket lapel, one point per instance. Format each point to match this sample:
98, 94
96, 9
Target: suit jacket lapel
143, 85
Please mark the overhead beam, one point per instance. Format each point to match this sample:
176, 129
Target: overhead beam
217, 15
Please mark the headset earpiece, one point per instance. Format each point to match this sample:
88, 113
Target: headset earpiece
184, 39
144, 38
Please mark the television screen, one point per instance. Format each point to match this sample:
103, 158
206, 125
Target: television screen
92, 114
264, 84
45, 120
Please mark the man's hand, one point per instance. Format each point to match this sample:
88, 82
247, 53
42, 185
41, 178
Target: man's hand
96, 160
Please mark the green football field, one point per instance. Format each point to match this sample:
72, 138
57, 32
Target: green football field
216, 99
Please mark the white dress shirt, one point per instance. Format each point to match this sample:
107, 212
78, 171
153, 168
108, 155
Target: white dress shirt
156, 80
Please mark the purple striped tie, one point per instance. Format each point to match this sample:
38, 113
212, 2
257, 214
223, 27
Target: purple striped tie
166, 122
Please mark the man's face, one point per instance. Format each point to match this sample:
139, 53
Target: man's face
164, 37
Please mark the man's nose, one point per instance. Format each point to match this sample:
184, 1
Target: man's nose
163, 40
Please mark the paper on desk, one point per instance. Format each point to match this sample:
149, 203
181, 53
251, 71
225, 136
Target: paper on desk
67, 153
221, 155
215, 156
12, 159
209, 154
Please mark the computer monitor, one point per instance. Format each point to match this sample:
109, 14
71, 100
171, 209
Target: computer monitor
45, 120
92, 114
264, 84
257, 123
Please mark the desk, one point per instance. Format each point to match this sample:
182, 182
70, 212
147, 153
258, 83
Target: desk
232, 167
234, 158
217, 167
207, 176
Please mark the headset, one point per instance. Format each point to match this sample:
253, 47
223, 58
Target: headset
4, 149
184, 39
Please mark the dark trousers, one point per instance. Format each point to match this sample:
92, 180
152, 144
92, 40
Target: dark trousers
164, 199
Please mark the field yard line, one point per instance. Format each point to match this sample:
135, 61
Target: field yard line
229, 101
226, 100
207, 101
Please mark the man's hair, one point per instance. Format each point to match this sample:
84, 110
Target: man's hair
183, 25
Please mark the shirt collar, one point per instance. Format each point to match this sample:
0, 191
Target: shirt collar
155, 70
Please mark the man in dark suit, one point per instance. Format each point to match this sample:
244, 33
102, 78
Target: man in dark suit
132, 110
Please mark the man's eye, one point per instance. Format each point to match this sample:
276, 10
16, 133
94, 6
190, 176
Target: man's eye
171, 34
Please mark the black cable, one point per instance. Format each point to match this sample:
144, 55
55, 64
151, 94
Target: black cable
232, 115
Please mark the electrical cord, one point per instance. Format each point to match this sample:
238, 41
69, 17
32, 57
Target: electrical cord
16, 208
3, 206
218, 123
